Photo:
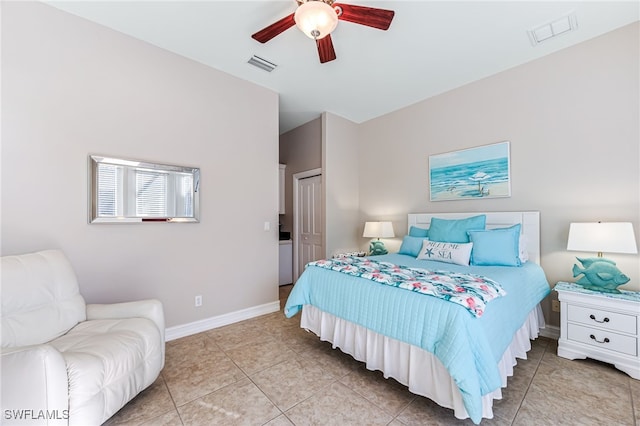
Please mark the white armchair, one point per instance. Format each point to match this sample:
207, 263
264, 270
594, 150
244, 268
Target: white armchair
65, 362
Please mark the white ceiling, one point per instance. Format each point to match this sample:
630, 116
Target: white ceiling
431, 46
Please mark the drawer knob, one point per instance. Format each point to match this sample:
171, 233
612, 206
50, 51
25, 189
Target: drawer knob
593, 317
606, 339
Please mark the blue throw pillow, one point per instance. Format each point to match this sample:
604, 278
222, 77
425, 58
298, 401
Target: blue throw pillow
411, 245
496, 247
414, 231
455, 231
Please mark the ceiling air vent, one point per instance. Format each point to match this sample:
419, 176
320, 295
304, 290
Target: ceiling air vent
553, 28
262, 63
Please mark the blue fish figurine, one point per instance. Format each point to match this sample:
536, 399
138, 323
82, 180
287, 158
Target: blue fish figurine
599, 275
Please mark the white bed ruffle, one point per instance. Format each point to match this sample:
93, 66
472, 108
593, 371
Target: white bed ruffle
414, 367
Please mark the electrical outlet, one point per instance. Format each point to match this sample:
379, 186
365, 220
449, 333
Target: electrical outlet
198, 301
555, 306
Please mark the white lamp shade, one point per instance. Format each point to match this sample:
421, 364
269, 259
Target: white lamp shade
378, 230
608, 237
316, 19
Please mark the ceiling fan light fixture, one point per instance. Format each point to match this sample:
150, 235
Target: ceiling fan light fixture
316, 19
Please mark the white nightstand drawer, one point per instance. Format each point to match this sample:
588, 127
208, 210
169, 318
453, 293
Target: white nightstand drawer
603, 319
602, 339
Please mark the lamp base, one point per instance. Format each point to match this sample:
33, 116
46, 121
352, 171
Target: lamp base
376, 248
599, 274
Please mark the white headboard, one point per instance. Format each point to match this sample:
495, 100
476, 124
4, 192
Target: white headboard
530, 222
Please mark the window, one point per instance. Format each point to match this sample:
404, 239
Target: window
109, 180
151, 193
133, 191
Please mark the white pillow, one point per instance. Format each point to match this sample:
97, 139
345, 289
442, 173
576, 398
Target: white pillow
523, 253
458, 253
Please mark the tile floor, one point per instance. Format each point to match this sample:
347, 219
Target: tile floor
268, 371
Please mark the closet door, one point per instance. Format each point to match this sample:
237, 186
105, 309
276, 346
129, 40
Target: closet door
309, 221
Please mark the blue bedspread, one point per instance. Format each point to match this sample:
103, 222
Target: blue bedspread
468, 347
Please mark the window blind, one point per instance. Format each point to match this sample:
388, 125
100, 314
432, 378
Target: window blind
109, 180
151, 194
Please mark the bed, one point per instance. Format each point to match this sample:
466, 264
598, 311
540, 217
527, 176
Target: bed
457, 356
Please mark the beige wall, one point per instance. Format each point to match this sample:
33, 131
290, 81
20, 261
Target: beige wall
572, 119
300, 150
329, 143
71, 88
340, 156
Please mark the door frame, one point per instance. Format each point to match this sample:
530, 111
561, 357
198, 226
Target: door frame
296, 186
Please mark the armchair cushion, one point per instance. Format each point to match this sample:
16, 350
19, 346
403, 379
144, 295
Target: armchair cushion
40, 298
115, 358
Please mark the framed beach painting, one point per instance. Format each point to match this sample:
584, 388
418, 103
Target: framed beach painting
481, 172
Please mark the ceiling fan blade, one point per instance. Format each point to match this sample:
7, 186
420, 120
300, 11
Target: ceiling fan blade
325, 49
267, 33
369, 16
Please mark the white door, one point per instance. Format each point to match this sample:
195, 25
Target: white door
309, 215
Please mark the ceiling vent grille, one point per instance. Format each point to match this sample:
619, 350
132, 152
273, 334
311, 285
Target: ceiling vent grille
553, 29
262, 63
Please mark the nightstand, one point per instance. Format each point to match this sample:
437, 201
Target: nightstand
602, 326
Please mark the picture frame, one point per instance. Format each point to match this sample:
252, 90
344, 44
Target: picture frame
472, 173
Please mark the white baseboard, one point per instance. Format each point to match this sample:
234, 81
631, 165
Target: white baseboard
550, 332
199, 326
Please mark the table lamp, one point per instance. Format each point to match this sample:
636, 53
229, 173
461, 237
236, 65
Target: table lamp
598, 273
378, 230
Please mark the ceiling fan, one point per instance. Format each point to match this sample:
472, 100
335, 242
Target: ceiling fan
318, 18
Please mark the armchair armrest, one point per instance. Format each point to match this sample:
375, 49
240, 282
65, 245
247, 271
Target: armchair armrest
34, 386
149, 308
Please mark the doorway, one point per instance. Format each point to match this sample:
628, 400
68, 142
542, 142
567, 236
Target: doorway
308, 220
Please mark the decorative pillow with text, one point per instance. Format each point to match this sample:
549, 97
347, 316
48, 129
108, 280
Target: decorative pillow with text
458, 253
